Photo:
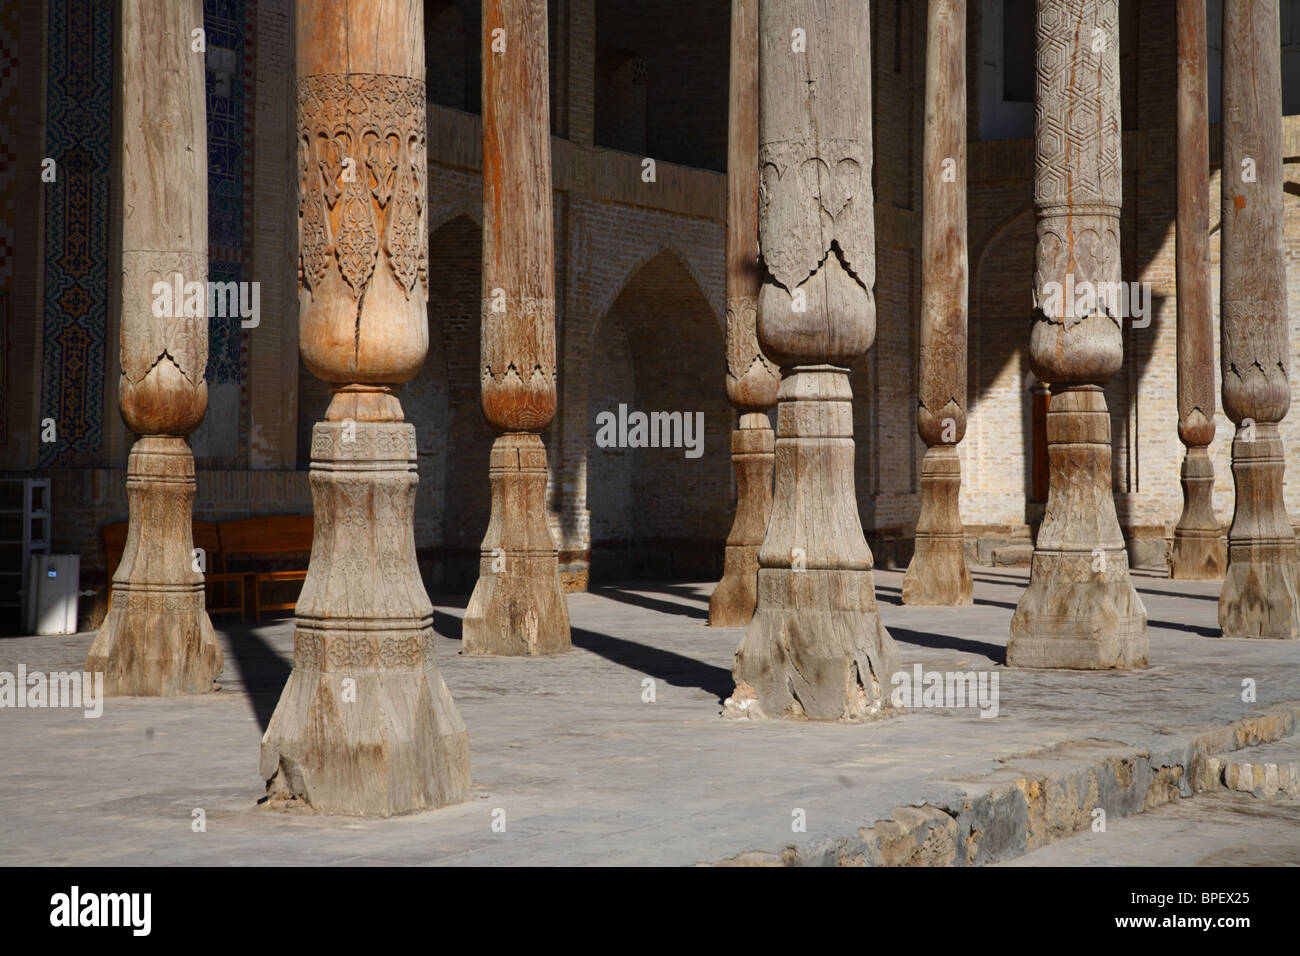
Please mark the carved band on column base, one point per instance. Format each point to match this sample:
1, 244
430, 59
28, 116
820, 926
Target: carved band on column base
365, 724
1261, 590
815, 648
752, 444
938, 574
1080, 609
157, 640
518, 606
1199, 552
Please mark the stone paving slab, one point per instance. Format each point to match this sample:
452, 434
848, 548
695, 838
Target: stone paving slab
586, 771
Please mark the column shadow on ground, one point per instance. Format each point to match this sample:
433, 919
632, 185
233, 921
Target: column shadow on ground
621, 593
994, 652
672, 668
895, 596
261, 668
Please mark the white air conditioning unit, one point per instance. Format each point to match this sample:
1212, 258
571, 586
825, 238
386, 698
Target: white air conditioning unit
53, 581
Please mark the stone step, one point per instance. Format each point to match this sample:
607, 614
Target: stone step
1267, 771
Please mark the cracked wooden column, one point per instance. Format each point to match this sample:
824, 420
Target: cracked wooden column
1080, 609
518, 606
752, 380
1198, 551
157, 639
816, 647
938, 573
365, 724
1259, 596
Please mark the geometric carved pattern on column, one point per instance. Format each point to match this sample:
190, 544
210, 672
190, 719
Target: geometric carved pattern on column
816, 647
157, 639
518, 605
1259, 596
365, 724
1198, 551
938, 573
1080, 609
752, 379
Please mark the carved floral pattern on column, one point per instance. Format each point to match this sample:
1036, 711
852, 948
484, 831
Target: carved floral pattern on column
351, 212
751, 376
836, 172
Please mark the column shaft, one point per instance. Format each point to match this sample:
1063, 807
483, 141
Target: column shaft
518, 606
938, 573
1080, 609
157, 639
365, 724
815, 647
1198, 551
1260, 596
752, 379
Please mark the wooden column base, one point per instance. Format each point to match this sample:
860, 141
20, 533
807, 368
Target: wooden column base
1199, 552
752, 444
1080, 610
1261, 593
815, 648
157, 640
518, 606
937, 574
365, 725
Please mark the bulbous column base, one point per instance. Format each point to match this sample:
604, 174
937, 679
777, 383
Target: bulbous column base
365, 725
1199, 552
816, 648
937, 573
518, 607
1080, 610
157, 640
1261, 590
752, 444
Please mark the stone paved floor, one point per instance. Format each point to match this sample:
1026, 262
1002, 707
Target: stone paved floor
1210, 829
585, 771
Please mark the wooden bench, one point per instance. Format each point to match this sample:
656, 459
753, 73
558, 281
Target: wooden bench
268, 535
205, 537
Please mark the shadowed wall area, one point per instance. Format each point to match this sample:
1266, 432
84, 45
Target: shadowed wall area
654, 511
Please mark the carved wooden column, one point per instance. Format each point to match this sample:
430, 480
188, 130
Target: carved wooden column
518, 604
1198, 551
157, 639
365, 724
938, 573
816, 647
1080, 609
1259, 596
752, 380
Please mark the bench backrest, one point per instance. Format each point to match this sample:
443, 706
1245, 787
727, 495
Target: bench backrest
205, 537
270, 534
